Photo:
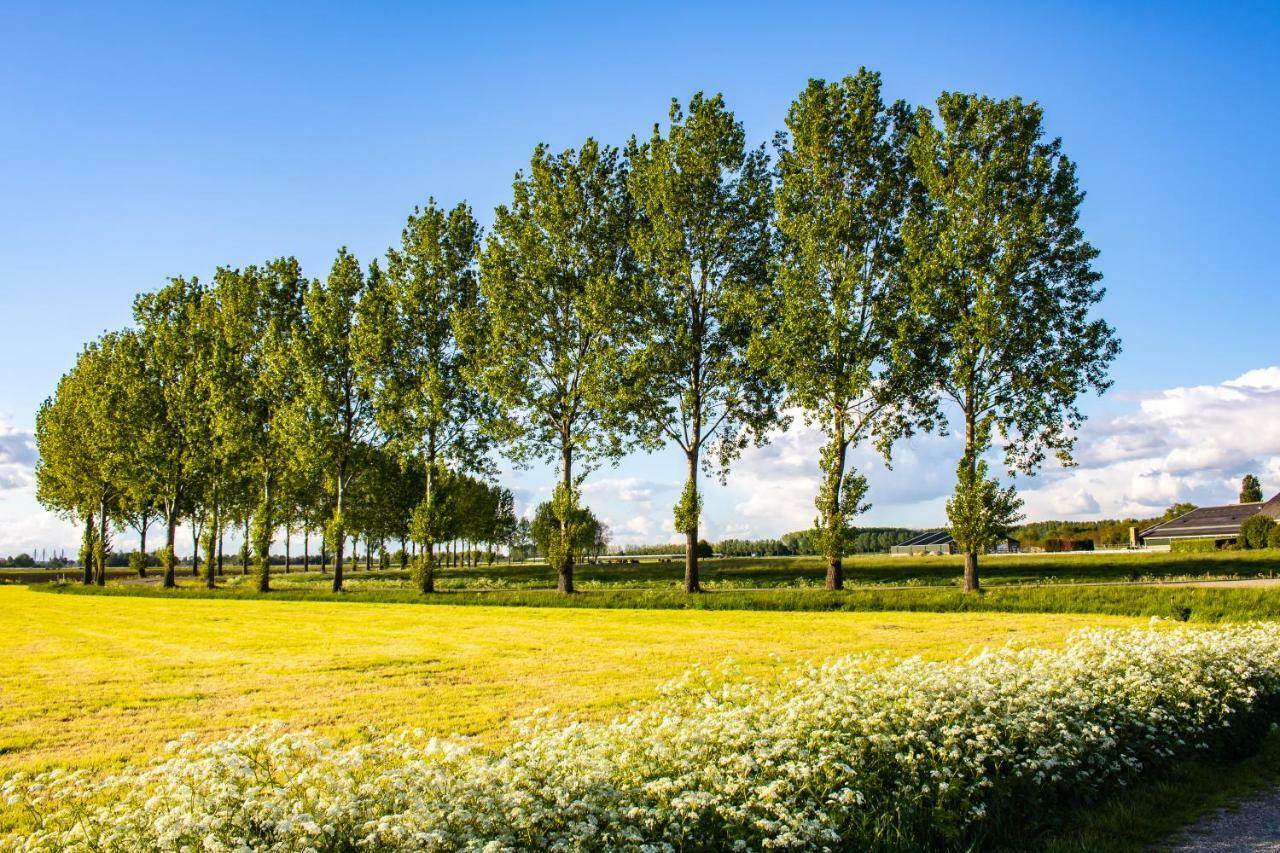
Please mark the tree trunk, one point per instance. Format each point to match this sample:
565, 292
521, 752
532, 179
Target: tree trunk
101, 577
971, 583
338, 535
244, 551
210, 544
564, 582
971, 571
691, 535
89, 556
170, 540
219, 545
835, 519
306, 549
265, 530
368, 554
287, 552
142, 546
195, 549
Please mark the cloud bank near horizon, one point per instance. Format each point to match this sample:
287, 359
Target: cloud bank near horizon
1189, 443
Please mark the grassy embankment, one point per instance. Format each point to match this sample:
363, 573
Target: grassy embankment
1072, 593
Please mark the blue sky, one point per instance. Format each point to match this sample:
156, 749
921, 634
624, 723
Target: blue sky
142, 141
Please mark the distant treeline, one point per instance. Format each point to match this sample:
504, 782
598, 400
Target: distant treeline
1107, 532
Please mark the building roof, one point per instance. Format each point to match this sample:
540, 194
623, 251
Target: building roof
1212, 520
933, 537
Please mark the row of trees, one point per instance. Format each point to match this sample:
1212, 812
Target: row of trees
803, 543
892, 269
270, 403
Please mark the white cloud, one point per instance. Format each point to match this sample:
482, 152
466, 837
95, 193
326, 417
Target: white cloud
17, 457
1181, 444
629, 489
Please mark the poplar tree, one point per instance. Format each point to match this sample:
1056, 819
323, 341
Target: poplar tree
1003, 283
335, 412
550, 337
167, 445
81, 462
702, 237
840, 297
413, 363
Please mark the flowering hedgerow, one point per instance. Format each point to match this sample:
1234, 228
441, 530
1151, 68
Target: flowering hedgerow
853, 754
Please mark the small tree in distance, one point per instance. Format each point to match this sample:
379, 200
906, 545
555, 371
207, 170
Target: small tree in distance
1250, 489
980, 512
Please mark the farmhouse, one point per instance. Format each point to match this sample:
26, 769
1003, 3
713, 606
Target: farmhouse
1220, 523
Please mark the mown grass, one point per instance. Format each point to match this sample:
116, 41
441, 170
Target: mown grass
100, 680
1182, 602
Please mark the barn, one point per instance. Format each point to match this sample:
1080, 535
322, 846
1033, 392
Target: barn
930, 542
940, 542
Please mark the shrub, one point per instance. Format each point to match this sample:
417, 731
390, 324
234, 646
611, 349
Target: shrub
914, 755
1256, 532
1273, 537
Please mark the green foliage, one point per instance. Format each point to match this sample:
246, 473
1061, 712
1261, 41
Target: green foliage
262, 527
1194, 546
563, 527
839, 501
548, 339
688, 509
981, 513
1250, 489
1178, 509
1256, 532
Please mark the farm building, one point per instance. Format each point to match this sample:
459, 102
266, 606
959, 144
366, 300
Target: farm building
1220, 523
940, 542
932, 542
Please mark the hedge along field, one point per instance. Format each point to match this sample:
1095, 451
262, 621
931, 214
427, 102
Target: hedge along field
854, 754
96, 681
768, 572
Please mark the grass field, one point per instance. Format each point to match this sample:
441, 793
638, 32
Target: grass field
99, 680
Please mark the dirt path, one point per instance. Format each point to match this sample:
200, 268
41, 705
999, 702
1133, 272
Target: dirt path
1253, 826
